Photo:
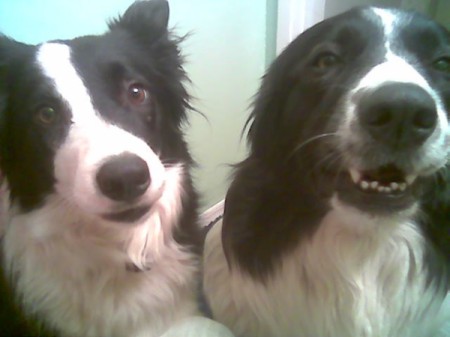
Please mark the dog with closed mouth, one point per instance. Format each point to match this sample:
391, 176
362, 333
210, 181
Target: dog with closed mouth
99, 232
337, 223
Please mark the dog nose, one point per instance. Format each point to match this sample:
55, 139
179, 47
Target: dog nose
124, 177
399, 115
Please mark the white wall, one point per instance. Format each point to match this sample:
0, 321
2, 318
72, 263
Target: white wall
225, 59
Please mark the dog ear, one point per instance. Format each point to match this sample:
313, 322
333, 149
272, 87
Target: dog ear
263, 122
9, 51
145, 18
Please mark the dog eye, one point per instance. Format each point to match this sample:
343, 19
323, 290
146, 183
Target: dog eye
137, 94
442, 64
46, 115
325, 61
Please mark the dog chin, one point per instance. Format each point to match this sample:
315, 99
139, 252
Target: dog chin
90, 201
131, 215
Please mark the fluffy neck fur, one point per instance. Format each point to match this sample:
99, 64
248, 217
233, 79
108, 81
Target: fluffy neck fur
355, 277
72, 271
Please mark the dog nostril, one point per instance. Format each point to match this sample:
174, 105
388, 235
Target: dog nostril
424, 120
398, 115
124, 177
379, 118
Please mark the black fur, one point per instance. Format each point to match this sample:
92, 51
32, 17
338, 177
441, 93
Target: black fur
280, 193
137, 47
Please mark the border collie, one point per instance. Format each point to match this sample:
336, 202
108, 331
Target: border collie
99, 232
337, 223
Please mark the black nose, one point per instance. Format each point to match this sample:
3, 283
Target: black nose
124, 177
398, 115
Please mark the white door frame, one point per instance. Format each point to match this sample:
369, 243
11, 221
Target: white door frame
295, 16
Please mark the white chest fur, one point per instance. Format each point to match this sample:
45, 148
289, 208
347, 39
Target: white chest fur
343, 282
72, 273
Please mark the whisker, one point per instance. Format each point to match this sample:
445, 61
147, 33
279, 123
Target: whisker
325, 162
310, 140
328, 160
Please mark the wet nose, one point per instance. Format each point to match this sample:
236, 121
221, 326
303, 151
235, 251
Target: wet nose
398, 115
124, 177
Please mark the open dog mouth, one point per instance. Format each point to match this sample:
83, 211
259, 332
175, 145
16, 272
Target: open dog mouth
380, 190
386, 179
128, 215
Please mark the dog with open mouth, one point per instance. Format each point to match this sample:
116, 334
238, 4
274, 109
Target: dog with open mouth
337, 223
99, 232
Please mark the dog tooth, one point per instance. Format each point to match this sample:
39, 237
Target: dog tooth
387, 189
410, 178
356, 176
364, 185
402, 186
374, 184
394, 186
380, 189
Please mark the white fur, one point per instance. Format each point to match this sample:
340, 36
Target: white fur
91, 139
342, 282
395, 67
357, 276
69, 265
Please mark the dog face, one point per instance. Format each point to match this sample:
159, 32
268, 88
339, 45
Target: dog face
366, 112
94, 120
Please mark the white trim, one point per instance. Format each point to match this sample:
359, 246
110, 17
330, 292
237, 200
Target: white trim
295, 16
212, 213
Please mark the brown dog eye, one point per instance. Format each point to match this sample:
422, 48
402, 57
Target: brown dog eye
326, 61
46, 115
138, 94
443, 64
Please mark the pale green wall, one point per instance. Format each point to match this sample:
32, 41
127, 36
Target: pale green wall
442, 12
226, 56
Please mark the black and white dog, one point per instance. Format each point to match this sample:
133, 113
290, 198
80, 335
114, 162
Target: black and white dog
337, 224
99, 231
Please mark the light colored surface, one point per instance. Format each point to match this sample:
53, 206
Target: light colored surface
198, 327
225, 54
294, 17
443, 12
225, 60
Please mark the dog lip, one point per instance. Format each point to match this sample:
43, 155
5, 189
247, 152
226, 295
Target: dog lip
387, 179
377, 197
128, 215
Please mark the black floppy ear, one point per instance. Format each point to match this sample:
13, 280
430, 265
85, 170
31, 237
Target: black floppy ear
10, 51
146, 18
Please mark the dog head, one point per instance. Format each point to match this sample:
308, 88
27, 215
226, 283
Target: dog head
358, 105
95, 120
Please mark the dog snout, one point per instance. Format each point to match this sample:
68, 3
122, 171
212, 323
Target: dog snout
400, 116
124, 177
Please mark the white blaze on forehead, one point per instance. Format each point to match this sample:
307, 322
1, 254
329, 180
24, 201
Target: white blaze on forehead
394, 69
397, 67
388, 20
91, 140
55, 61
